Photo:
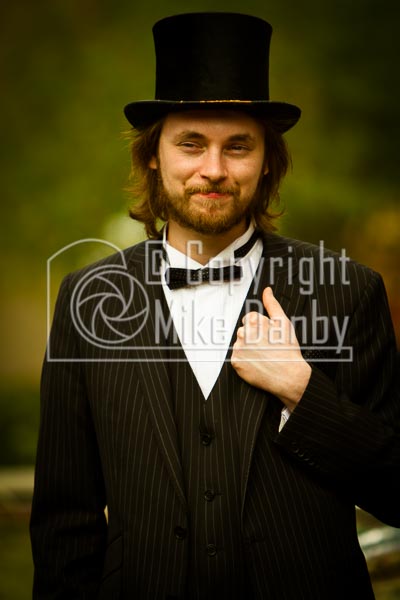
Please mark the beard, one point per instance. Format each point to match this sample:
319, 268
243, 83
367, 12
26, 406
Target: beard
216, 217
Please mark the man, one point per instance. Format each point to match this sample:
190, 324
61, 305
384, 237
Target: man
232, 430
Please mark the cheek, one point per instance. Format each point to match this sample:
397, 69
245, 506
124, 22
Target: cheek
250, 179
175, 170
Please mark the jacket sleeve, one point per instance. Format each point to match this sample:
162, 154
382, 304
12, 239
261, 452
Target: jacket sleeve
68, 525
347, 430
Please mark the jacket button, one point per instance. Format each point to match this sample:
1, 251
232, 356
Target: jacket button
211, 549
206, 439
209, 495
180, 533
295, 448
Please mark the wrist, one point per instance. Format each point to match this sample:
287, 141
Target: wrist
293, 393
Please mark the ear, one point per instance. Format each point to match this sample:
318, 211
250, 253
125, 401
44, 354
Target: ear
266, 168
153, 164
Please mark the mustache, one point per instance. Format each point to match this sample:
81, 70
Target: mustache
210, 189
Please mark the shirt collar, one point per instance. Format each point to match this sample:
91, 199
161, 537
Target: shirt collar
181, 260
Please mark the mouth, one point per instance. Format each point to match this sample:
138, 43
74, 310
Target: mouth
213, 195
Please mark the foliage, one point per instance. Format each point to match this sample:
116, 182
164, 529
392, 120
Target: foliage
19, 421
67, 70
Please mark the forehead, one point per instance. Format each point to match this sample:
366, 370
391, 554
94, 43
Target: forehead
212, 124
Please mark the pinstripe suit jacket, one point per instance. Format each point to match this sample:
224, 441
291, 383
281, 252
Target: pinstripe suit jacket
108, 437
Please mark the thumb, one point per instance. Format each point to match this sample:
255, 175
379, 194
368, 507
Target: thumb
271, 304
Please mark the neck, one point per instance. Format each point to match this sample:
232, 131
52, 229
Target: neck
201, 247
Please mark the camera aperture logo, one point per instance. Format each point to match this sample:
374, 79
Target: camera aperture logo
102, 306
107, 307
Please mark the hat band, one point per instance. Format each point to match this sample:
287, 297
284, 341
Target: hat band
209, 101
224, 101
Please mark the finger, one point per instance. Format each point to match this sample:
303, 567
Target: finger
251, 318
271, 304
240, 332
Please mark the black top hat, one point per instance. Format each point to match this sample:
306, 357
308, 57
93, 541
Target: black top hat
212, 60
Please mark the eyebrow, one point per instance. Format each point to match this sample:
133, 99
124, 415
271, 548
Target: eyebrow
195, 135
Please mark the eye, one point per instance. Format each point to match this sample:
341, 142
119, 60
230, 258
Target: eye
190, 146
238, 149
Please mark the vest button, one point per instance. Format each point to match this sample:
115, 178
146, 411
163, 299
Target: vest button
209, 495
206, 439
211, 549
180, 533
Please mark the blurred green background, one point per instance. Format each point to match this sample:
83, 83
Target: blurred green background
68, 67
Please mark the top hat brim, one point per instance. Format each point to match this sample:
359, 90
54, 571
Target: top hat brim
281, 115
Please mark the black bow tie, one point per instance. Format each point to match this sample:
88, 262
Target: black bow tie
177, 278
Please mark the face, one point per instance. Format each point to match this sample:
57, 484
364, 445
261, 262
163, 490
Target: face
210, 164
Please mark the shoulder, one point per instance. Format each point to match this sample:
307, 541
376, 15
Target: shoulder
325, 268
129, 259
286, 247
124, 273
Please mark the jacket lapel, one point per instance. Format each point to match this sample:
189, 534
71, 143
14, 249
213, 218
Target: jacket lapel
279, 269
152, 368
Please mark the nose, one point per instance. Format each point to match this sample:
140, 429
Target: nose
213, 166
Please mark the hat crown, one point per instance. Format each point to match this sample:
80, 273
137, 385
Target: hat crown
212, 56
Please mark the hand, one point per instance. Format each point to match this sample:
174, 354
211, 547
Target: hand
267, 354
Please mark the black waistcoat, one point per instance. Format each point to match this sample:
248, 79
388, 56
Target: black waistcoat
208, 434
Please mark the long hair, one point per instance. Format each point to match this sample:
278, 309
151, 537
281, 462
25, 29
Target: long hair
148, 206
